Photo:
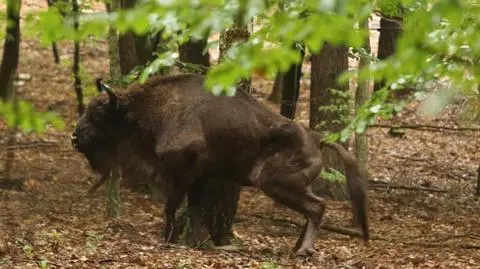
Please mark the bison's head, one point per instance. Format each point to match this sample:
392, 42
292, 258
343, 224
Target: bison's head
101, 127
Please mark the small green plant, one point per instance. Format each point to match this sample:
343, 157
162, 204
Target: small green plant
183, 264
43, 263
28, 250
92, 241
270, 265
6, 261
332, 175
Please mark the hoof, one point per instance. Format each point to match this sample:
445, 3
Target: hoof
305, 252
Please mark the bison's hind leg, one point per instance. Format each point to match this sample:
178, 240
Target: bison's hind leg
292, 193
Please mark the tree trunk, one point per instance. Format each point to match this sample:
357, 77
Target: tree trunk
11, 50
113, 44
192, 52
237, 34
220, 197
276, 95
390, 30
76, 61
126, 45
144, 49
291, 87
328, 109
361, 96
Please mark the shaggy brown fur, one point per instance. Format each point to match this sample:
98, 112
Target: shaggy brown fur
189, 135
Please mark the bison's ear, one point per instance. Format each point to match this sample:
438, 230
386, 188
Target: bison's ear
103, 87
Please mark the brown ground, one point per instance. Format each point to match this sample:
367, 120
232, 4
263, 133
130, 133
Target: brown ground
51, 221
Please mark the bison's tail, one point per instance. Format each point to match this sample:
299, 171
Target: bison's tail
356, 187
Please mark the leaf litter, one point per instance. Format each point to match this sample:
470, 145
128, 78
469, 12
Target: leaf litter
51, 223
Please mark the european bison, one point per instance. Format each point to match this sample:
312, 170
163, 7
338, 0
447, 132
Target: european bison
189, 135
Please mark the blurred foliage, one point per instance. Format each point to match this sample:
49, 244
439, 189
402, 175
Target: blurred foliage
22, 114
439, 47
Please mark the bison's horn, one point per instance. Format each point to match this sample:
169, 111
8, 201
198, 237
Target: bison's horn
103, 87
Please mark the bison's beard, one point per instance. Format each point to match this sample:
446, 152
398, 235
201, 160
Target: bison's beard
99, 160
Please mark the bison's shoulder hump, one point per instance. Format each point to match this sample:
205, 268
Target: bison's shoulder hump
168, 81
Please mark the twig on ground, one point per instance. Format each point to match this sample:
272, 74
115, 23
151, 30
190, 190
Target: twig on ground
32, 145
478, 181
353, 233
409, 158
425, 127
437, 168
464, 245
381, 184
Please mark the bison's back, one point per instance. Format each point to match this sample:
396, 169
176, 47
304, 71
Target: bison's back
176, 108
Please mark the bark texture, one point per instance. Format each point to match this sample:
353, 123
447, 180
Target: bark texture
291, 87
328, 109
361, 96
390, 30
11, 50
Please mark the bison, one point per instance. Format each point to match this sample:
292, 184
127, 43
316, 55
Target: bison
189, 135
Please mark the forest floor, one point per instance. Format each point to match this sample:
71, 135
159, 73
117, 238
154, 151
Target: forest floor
427, 218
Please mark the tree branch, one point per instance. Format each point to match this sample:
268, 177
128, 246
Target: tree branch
425, 126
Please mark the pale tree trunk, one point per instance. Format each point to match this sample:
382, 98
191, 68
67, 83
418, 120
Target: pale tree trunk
113, 50
113, 186
114, 175
361, 96
11, 50
236, 34
327, 110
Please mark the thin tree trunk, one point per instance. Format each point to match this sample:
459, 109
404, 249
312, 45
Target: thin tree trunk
11, 50
361, 96
76, 61
113, 186
113, 50
114, 176
390, 30
327, 110
10, 152
291, 87
56, 57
